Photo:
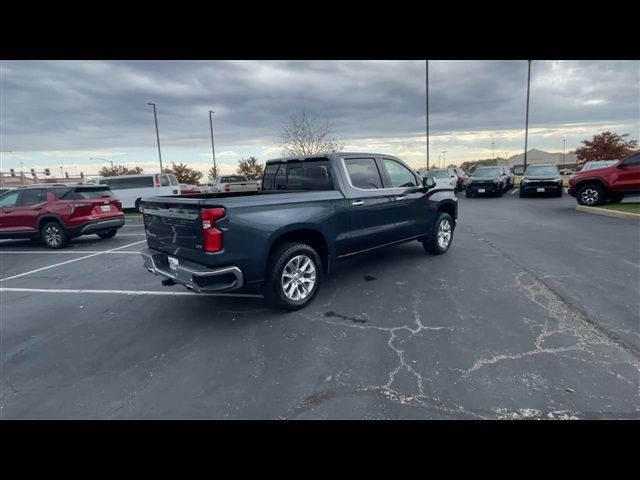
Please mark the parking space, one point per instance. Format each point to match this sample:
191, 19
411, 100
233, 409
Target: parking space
533, 313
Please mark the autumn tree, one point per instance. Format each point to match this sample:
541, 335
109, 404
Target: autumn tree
213, 173
303, 134
606, 146
251, 168
118, 170
184, 173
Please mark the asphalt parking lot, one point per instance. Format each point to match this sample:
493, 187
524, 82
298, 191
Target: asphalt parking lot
533, 313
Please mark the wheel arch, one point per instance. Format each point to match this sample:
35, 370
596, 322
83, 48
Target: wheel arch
307, 234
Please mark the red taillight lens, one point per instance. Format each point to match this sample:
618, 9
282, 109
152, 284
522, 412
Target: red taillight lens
227, 188
213, 241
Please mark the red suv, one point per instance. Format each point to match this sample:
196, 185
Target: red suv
56, 214
593, 187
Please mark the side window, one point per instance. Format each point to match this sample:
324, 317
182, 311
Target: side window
363, 173
9, 200
31, 197
164, 181
280, 182
173, 180
400, 175
632, 161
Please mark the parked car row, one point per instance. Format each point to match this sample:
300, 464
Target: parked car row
492, 180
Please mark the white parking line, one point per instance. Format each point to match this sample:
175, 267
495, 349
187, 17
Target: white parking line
69, 261
515, 191
131, 234
126, 292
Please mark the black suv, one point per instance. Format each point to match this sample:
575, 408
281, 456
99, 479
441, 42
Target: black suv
487, 180
542, 178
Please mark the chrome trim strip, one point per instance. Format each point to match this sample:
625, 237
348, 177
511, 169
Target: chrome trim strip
381, 246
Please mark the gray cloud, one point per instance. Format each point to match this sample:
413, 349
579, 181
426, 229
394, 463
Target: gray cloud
75, 105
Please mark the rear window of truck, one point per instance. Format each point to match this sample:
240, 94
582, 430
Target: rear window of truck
308, 175
236, 179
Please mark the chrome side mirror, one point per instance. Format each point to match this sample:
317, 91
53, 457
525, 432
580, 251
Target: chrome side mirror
428, 182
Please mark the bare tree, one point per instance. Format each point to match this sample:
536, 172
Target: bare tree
303, 134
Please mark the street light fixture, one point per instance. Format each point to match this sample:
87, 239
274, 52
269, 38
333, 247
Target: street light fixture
103, 159
564, 144
213, 148
526, 128
155, 116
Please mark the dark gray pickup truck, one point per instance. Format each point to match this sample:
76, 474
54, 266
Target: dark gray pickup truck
310, 212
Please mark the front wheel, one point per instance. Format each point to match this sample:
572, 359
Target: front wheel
590, 195
108, 234
293, 276
139, 206
440, 239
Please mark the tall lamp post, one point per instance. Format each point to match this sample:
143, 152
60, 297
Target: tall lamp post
493, 150
444, 158
155, 116
103, 159
564, 144
526, 128
427, 114
213, 148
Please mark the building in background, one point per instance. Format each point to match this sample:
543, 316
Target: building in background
562, 160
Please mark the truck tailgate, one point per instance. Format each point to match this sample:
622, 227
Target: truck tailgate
173, 226
243, 186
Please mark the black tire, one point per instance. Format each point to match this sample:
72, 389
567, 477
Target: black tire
54, 235
590, 195
500, 193
431, 244
467, 193
559, 194
108, 234
139, 206
274, 288
522, 194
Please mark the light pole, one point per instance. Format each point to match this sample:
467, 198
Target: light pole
427, 114
155, 116
564, 144
103, 159
213, 148
444, 158
526, 128
493, 150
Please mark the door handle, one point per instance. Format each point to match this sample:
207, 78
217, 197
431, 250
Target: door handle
400, 198
358, 203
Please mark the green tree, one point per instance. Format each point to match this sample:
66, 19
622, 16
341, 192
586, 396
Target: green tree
118, 170
470, 165
606, 146
251, 168
184, 173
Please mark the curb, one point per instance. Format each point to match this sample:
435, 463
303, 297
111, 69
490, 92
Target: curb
607, 213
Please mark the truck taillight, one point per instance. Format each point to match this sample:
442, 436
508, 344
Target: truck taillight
213, 241
227, 188
258, 185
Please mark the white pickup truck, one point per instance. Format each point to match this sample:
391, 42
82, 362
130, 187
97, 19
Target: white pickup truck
233, 183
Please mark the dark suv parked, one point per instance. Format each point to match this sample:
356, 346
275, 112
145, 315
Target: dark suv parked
55, 214
542, 178
487, 180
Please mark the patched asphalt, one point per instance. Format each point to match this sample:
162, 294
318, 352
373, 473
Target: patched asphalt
533, 313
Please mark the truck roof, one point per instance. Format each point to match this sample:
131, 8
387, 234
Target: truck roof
328, 155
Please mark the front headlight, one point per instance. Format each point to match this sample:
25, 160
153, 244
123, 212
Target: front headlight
523, 181
558, 180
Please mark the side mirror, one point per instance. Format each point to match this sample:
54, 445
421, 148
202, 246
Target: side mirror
620, 165
428, 182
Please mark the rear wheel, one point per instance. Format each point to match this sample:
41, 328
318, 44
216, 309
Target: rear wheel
108, 234
53, 235
293, 276
139, 206
590, 195
440, 239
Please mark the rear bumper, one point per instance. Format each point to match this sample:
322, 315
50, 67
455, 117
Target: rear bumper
192, 275
96, 226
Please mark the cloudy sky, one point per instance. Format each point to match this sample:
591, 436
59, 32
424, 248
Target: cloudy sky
61, 113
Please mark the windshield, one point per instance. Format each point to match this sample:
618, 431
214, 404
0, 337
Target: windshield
542, 170
234, 179
486, 172
438, 173
602, 164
